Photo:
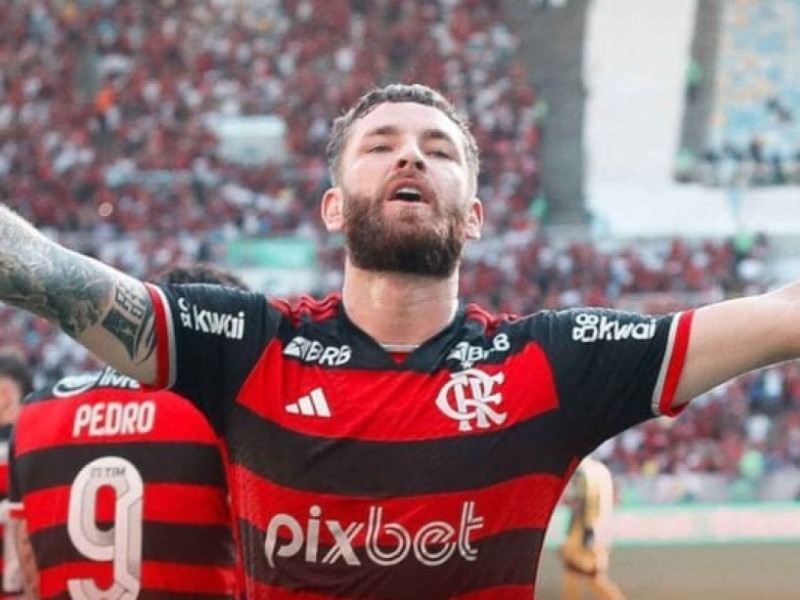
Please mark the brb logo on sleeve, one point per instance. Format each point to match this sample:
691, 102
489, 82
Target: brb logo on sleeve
432, 544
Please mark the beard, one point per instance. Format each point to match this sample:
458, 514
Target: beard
406, 246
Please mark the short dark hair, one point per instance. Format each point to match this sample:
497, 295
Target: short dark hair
14, 366
201, 272
395, 93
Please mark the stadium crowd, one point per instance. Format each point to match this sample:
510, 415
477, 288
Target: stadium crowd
105, 143
104, 108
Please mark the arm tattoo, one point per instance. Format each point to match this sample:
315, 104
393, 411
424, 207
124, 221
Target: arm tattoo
71, 290
131, 321
57, 289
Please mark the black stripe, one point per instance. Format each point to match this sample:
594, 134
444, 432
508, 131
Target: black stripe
508, 558
210, 545
164, 462
348, 467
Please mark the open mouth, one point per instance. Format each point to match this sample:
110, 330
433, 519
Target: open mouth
408, 194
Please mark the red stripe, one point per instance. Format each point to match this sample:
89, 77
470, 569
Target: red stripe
162, 338
169, 503
502, 592
156, 576
189, 504
523, 502
52, 422
676, 361
403, 405
257, 590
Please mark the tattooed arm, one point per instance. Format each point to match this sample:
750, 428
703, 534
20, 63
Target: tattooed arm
105, 310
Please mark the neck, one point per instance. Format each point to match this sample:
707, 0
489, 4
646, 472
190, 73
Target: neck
396, 309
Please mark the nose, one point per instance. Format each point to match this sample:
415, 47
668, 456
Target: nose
410, 157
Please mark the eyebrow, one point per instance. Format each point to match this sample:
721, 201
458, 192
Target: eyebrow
393, 130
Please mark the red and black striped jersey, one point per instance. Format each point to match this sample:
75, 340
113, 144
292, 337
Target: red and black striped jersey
124, 493
355, 475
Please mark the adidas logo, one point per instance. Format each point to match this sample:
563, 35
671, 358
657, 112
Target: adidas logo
313, 405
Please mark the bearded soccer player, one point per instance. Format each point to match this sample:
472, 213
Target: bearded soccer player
120, 492
390, 441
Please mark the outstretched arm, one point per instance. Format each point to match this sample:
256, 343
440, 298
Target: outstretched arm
105, 310
736, 336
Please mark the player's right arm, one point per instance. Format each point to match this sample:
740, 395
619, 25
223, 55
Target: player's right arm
105, 310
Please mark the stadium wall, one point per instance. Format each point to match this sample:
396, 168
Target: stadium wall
695, 524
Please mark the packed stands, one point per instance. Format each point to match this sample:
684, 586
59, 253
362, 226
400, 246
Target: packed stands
755, 124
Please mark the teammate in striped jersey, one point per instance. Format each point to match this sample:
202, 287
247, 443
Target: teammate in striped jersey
121, 492
16, 381
389, 441
587, 547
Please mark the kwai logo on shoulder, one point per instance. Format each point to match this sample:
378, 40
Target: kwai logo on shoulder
207, 321
592, 328
432, 544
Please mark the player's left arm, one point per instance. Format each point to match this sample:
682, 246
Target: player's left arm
733, 337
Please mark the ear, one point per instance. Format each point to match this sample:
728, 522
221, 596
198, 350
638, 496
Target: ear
474, 222
332, 209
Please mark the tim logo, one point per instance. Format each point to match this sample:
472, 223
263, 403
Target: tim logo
592, 328
470, 398
207, 321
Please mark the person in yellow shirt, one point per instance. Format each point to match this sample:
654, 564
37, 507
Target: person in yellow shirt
587, 546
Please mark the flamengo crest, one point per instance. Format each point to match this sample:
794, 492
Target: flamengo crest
470, 397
